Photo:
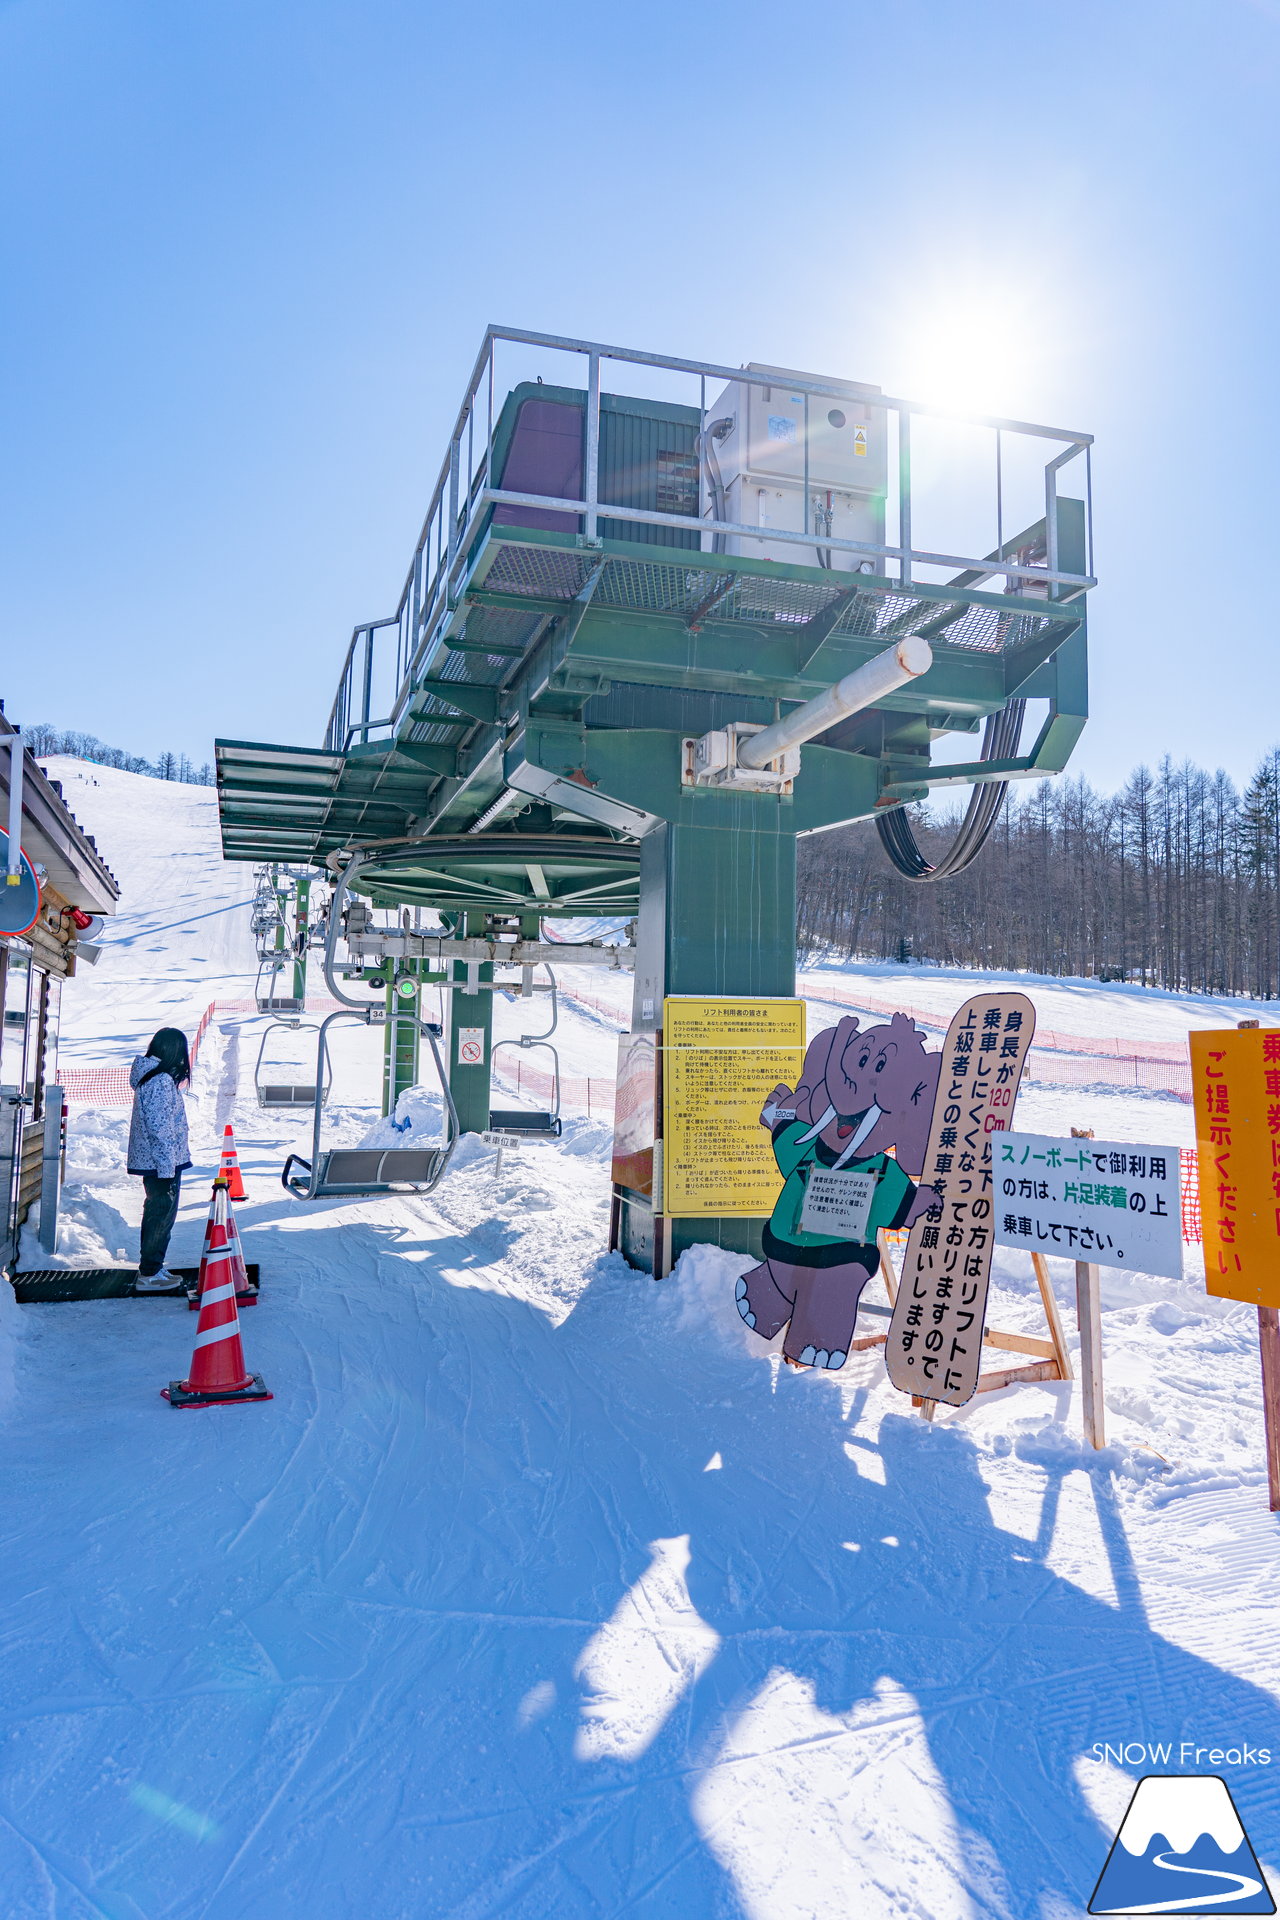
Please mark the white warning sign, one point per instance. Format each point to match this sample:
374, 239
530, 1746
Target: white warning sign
838, 1203
1107, 1201
470, 1046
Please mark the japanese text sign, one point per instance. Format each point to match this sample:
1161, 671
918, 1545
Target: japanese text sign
1235, 1082
1106, 1201
721, 1059
838, 1203
934, 1347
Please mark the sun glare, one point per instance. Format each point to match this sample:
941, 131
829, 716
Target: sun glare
978, 350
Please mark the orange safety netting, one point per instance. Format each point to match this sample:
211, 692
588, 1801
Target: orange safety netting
109, 1086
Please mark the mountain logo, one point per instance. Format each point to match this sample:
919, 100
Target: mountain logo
1181, 1849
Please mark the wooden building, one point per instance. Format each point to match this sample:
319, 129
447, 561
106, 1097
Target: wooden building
76, 887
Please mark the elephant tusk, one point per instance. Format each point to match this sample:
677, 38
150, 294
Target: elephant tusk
817, 1127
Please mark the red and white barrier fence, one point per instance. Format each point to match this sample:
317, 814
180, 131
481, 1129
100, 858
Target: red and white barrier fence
1057, 1059
109, 1086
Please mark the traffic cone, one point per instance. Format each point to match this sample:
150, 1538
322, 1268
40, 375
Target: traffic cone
246, 1293
218, 1373
230, 1168
208, 1232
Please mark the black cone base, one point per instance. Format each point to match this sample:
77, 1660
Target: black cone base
178, 1395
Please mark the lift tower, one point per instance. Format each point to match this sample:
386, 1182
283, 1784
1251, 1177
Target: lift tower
654, 629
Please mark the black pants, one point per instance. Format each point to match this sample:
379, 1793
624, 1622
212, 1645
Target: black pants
159, 1211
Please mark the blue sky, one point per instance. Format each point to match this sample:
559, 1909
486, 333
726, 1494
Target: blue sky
250, 249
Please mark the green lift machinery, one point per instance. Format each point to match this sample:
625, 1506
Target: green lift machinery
648, 638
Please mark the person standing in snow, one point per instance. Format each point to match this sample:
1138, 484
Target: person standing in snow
158, 1150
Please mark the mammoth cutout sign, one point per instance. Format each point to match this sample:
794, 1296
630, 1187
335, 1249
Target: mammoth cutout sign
882, 1132
860, 1094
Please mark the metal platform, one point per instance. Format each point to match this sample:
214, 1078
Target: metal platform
58, 1284
582, 616
515, 648
633, 661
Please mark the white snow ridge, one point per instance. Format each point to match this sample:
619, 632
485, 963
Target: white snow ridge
1182, 1809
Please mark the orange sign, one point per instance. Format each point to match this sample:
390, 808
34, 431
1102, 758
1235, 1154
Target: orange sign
1235, 1078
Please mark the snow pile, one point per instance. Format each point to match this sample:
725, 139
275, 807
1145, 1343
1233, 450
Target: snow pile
540, 1589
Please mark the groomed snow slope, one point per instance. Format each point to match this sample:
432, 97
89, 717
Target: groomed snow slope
540, 1590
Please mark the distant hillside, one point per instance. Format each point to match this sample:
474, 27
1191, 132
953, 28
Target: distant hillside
44, 739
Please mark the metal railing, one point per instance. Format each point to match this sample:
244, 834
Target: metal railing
463, 495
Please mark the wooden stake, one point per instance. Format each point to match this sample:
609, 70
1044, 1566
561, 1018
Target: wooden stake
1065, 1369
1269, 1342
888, 1273
1049, 1359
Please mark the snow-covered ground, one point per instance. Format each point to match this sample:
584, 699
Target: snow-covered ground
542, 1590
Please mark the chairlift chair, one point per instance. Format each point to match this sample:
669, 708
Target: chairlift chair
275, 1093
534, 1120
369, 1172
267, 1001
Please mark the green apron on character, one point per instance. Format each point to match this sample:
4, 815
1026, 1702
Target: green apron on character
796, 1154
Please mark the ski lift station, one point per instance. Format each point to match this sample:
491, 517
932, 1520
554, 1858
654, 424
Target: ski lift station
663, 618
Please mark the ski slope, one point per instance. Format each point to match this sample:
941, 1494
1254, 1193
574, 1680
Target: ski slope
541, 1590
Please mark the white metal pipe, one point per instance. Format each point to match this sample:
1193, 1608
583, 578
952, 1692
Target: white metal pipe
906, 660
14, 876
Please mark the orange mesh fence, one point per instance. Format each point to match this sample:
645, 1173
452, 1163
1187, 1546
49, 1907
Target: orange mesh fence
109, 1086
1048, 1069
1189, 1187
593, 1097
1061, 1059
97, 1086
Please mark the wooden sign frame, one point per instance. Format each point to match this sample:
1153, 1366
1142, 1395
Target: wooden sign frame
1047, 1359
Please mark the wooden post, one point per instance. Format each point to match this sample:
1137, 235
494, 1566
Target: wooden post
1089, 1319
1269, 1342
1089, 1316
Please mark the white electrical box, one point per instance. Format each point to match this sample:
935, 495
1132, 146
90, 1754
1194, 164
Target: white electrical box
764, 441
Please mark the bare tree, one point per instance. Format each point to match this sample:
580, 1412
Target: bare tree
1174, 881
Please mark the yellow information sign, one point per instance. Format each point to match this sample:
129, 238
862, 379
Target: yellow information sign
721, 1059
1235, 1079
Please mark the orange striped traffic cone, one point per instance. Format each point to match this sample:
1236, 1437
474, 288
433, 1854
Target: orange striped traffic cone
218, 1372
246, 1294
230, 1167
208, 1232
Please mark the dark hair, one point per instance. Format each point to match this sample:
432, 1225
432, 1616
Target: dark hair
169, 1047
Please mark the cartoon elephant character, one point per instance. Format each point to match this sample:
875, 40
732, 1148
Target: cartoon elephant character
859, 1094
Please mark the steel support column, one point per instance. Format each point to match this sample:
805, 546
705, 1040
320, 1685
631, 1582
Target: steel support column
717, 917
400, 1050
301, 935
470, 1030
